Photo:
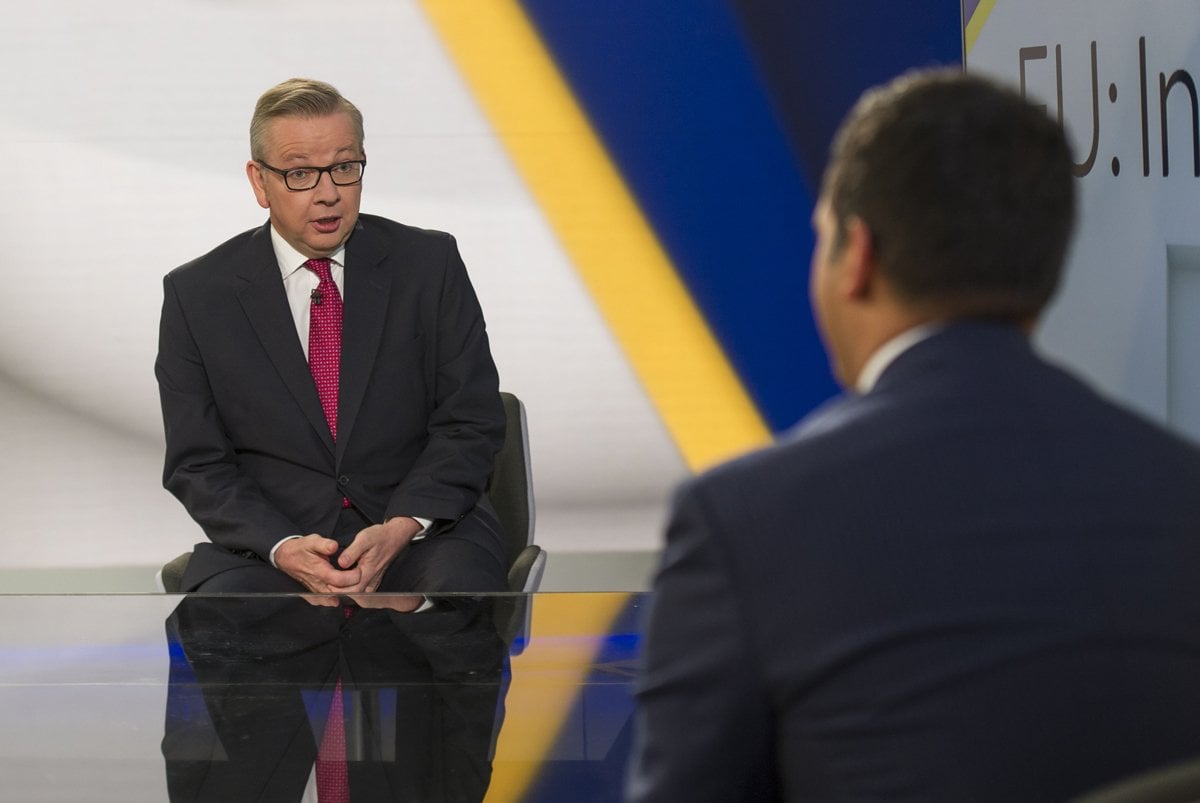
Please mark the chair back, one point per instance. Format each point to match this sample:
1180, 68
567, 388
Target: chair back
510, 488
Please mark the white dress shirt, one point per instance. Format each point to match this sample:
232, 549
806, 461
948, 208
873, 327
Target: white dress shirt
299, 282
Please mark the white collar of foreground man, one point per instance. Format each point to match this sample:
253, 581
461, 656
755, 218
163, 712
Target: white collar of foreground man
878, 362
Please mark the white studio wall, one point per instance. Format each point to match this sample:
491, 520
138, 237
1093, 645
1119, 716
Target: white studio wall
125, 133
1122, 76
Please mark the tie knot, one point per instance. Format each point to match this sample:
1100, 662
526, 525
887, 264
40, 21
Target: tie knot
321, 267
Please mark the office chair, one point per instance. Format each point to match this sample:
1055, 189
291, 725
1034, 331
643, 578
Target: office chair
510, 491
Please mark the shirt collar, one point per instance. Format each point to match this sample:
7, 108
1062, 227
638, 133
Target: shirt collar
886, 354
290, 260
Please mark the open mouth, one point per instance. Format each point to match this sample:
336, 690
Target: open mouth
327, 225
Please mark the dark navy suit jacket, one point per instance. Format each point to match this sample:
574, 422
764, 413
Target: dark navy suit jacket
419, 414
980, 581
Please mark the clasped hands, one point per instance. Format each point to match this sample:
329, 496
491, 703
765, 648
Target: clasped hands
359, 568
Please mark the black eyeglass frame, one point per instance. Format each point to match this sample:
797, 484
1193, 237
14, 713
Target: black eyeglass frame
362, 163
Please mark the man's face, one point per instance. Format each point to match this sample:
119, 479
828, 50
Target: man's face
315, 222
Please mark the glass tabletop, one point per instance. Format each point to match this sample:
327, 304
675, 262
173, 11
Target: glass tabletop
154, 697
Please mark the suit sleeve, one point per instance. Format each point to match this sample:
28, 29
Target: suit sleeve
201, 467
466, 425
703, 719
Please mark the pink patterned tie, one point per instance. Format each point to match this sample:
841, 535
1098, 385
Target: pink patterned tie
325, 342
325, 339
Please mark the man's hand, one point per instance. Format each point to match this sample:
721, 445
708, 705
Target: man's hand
306, 559
374, 549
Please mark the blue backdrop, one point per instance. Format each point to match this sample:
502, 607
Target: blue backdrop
718, 113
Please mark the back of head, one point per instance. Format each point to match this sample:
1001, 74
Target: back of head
967, 191
298, 97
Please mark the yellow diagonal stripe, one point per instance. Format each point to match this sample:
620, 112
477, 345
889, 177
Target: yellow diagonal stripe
674, 354
547, 678
975, 25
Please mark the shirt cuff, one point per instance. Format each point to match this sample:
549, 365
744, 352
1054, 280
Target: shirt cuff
271, 556
425, 525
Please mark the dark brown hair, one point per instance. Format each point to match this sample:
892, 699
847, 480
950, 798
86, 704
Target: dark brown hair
965, 187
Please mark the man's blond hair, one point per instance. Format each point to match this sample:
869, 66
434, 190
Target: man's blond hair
298, 97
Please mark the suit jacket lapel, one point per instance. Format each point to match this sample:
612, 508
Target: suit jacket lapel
366, 294
265, 304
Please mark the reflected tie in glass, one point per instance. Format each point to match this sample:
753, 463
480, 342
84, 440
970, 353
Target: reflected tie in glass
333, 774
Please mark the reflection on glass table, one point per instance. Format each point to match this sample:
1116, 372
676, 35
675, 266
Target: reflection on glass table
253, 682
463, 700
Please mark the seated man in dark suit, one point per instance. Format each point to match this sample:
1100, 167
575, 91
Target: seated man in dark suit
329, 397
971, 579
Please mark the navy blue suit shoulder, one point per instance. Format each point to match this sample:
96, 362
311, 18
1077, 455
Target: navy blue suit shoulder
915, 580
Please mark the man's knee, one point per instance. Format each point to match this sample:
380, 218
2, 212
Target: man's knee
251, 579
443, 564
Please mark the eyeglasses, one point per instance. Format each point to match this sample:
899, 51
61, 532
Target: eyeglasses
342, 174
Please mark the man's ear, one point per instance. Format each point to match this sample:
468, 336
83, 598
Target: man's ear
859, 266
258, 183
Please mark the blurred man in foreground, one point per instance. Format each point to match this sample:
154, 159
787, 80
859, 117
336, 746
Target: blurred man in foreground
972, 578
